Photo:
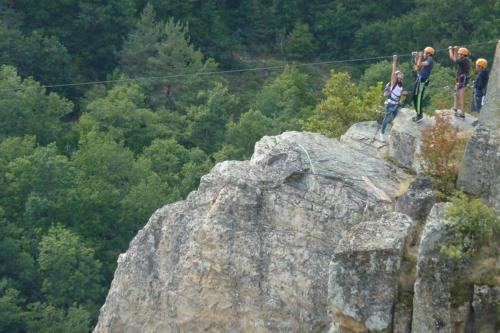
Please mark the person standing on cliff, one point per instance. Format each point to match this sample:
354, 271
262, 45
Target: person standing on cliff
480, 84
423, 66
393, 92
460, 56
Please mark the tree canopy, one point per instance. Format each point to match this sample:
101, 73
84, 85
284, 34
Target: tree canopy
84, 164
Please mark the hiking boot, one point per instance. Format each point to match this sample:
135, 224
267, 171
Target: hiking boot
418, 118
381, 137
459, 113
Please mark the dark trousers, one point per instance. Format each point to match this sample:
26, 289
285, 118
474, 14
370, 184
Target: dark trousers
477, 100
418, 94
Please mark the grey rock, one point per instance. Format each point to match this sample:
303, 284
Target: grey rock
480, 171
462, 124
431, 302
485, 318
364, 136
490, 112
404, 144
418, 200
249, 251
364, 273
402, 318
406, 135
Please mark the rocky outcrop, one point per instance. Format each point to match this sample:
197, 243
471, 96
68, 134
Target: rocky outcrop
485, 309
480, 171
364, 274
404, 142
418, 200
432, 300
304, 237
250, 250
434, 310
405, 135
363, 136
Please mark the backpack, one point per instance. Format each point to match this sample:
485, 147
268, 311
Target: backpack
387, 90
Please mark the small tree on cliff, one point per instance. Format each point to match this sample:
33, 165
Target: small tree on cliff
344, 106
440, 154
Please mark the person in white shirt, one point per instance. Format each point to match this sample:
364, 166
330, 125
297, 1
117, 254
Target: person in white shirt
393, 93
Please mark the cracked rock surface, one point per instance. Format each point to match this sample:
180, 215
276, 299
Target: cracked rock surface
250, 250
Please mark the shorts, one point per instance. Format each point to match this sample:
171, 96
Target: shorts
462, 80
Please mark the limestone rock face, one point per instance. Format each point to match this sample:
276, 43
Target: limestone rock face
363, 136
480, 171
418, 200
250, 250
404, 144
364, 274
432, 311
485, 309
406, 135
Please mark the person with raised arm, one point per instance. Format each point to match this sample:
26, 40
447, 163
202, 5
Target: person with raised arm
423, 66
393, 92
460, 56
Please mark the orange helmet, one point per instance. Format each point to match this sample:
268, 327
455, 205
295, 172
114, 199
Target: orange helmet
482, 63
429, 50
463, 51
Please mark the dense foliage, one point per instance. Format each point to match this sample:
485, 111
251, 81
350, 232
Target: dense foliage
473, 226
441, 153
82, 167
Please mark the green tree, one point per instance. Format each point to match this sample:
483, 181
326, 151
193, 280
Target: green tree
11, 309
300, 42
91, 31
164, 50
206, 19
36, 187
343, 106
288, 99
70, 272
123, 114
100, 191
208, 120
178, 167
473, 226
141, 43
17, 264
242, 136
42, 57
101, 186
26, 109
43, 317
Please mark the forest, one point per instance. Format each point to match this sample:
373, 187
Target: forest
112, 109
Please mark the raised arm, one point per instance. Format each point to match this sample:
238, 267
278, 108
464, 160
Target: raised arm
452, 53
418, 61
393, 73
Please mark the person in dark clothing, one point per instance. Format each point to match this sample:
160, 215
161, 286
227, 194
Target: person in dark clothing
480, 84
423, 66
460, 56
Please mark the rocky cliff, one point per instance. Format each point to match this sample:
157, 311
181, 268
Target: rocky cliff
250, 250
480, 172
311, 235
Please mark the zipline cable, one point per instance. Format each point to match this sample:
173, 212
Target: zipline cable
231, 71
